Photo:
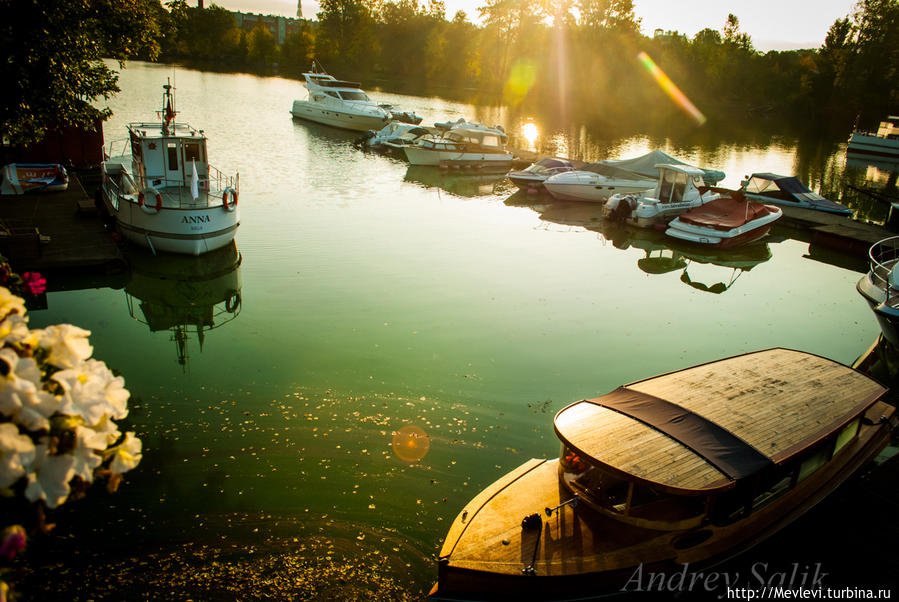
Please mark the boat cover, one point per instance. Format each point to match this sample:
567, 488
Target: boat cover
718, 446
725, 213
645, 166
770, 184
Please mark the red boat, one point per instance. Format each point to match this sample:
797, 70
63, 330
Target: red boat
726, 222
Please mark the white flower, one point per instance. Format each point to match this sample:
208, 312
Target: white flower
87, 443
67, 345
84, 390
108, 429
127, 454
20, 394
16, 454
10, 303
14, 328
50, 479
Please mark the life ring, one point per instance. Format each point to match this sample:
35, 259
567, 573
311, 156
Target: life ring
233, 303
229, 199
142, 198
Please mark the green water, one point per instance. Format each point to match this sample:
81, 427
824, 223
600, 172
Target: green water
375, 297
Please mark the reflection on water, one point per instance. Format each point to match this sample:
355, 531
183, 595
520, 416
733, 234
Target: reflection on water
461, 181
184, 295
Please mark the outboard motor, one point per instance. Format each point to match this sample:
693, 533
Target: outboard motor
622, 210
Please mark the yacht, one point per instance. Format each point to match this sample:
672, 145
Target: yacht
880, 286
162, 191
883, 143
340, 104
669, 474
462, 143
678, 189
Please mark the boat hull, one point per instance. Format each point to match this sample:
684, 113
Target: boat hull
714, 238
578, 553
887, 316
592, 188
420, 156
875, 146
304, 109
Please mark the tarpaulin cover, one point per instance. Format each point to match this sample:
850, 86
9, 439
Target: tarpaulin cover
718, 446
645, 166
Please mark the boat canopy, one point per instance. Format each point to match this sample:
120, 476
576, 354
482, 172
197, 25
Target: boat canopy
705, 429
646, 166
790, 188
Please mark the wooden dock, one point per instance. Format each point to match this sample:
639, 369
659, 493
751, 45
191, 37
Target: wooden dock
57, 231
835, 232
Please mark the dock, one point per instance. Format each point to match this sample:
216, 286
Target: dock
836, 232
55, 231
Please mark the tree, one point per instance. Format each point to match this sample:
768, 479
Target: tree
346, 37
261, 46
51, 65
297, 51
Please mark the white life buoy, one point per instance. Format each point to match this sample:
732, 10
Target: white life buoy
148, 207
229, 199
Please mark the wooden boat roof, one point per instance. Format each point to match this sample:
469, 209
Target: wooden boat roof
704, 428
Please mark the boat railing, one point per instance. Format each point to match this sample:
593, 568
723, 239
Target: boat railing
883, 257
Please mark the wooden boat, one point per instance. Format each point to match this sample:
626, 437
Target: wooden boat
689, 467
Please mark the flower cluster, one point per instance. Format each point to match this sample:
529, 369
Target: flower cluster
29, 283
57, 407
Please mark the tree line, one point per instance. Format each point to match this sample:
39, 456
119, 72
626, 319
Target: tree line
561, 58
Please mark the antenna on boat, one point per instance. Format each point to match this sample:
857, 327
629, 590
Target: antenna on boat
168, 108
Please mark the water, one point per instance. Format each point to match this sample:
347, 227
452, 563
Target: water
372, 297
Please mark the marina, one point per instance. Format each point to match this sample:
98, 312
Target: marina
373, 298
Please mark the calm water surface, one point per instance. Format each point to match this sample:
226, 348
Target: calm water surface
375, 296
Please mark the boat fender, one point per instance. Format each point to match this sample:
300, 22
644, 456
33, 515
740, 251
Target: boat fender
229, 199
144, 205
233, 303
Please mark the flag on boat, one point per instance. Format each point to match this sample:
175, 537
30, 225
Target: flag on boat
194, 181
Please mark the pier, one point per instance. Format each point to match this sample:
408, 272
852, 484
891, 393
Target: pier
54, 231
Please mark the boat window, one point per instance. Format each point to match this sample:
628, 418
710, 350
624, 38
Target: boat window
172, 149
680, 185
731, 505
667, 185
647, 503
760, 185
698, 181
491, 141
332, 93
846, 435
773, 485
192, 152
354, 95
814, 462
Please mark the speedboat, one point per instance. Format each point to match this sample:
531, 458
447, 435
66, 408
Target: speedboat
533, 176
162, 191
789, 192
597, 182
462, 144
339, 103
397, 113
679, 189
666, 476
19, 178
883, 143
880, 286
724, 223
393, 137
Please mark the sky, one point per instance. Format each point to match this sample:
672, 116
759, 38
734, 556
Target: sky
772, 24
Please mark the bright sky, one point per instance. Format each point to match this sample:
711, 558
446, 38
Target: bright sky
772, 24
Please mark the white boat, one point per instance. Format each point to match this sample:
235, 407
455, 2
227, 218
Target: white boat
880, 286
340, 104
393, 137
678, 189
883, 143
789, 192
533, 176
725, 223
462, 143
19, 178
162, 191
597, 182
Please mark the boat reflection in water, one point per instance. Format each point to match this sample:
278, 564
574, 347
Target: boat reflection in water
461, 181
184, 295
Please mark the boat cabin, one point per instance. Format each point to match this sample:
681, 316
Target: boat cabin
347, 90
714, 443
165, 157
889, 129
472, 139
678, 183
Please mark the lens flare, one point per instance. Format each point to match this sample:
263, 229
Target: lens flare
522, 77
530, 132
671, 89
411, 443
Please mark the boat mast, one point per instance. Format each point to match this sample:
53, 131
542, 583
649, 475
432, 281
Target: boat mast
168, 109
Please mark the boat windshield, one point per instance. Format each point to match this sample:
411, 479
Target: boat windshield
761, 186
353, 95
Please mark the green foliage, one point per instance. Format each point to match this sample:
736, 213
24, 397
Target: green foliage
52, 68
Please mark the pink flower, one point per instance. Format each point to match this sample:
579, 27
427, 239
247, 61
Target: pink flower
13, 541
34, 282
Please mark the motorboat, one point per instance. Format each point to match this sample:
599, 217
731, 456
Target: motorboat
339, 103
393, 137
725, 223
880, 286
678, 189
788, 191
883, 143
19, 178
462, 143
533, 176
597, 182
162, 191
665, 476
397, 113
